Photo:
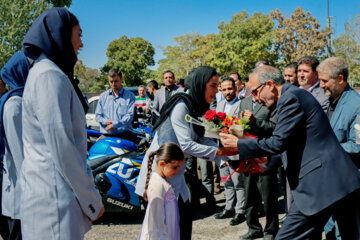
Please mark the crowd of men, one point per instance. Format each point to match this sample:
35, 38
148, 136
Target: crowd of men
247, 196
250, 195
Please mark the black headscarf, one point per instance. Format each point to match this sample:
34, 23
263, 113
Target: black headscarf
194, 100
51, 34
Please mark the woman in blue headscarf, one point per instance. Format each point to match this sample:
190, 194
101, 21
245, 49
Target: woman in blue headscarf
13, 74
59, 197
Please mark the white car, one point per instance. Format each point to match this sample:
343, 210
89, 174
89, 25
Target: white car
90, 116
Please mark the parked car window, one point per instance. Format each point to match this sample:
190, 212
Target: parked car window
92, 106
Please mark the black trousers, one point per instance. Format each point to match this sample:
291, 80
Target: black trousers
14, 229
261, 187
345, 212
4, 230
186, 219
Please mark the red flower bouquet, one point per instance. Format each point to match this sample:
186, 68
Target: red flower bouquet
217, 122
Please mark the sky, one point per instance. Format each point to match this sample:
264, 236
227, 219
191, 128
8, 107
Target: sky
159, 21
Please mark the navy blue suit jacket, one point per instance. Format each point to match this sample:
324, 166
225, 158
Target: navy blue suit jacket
319, 171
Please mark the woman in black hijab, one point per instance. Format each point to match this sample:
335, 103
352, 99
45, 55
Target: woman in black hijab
202, 85
59, 198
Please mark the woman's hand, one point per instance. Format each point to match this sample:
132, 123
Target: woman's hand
99, 215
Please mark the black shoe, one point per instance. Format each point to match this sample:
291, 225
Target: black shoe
224, 214
210, 209
268, 236
237, 219
251, 235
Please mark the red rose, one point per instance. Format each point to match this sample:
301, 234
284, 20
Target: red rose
210, 115
221, 115
225, 130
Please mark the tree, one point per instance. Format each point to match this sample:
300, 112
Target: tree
241, 43
188, 53
298, 36
131, 56
16, 17
347, 47
88, 78
80, 69
60, 3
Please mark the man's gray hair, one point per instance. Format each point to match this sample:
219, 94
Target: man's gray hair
266, 73
334, 66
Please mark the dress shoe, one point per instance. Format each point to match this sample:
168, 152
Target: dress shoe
268, 236
210, 208
224, 214
251, 235
237, 219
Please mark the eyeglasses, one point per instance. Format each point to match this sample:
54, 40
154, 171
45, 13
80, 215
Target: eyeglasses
254, 92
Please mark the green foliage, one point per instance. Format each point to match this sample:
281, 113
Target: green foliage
188, 53
60, 3
131, 56
16, 17
298, 36
89, 78
241, 43
347, 47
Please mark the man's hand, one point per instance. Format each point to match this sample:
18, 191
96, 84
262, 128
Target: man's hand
247, 114
108, 122
228, 140
109, 128
100, 214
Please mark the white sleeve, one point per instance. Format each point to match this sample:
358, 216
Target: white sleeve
184, 131
13, 130
53, 110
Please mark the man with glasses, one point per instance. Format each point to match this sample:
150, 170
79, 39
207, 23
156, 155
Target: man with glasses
260, 187
304, 135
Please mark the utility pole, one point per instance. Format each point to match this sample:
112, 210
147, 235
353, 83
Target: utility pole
329, 25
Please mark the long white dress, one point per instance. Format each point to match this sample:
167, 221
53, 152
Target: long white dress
176, 129
161, 221
59, 195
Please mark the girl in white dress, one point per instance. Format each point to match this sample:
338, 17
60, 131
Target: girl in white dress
161, 219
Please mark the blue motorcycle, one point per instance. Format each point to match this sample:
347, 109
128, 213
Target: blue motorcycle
115, 164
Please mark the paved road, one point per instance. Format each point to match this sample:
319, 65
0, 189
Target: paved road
205, 227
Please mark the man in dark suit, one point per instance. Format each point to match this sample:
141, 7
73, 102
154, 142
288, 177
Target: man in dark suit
322, 177
260, 186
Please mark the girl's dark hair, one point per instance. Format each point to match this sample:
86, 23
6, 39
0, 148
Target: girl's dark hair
167, 152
